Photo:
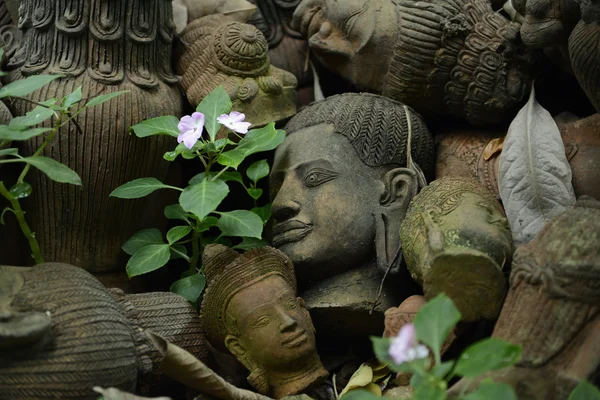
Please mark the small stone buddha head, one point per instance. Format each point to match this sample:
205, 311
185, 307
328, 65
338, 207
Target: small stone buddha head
217, 50
340, 183
250, 309
456, 240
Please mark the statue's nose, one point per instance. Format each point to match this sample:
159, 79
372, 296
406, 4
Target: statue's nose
284, 210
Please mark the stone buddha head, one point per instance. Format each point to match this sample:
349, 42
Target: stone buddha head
456, 240
217, 51
340, 183
250, 309
440, 57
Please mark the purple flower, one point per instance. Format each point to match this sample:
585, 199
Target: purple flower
404, 347
191, 129
234, 121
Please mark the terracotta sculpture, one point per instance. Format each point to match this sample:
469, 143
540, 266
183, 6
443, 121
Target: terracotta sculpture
341, 188
287, 47
62, 333
547, 22
102, 47
475, 154
455, 57
553, 307
219, 51
583, 49
250, 309
456, 240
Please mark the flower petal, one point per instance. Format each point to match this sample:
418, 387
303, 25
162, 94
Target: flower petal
223, 119
189, 138
186, 124
235, 116
198, 118
240, 127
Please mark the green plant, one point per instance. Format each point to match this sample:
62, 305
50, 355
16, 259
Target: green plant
430, 376
197, 209
23, 128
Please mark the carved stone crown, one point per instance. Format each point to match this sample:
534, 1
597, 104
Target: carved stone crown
241, 49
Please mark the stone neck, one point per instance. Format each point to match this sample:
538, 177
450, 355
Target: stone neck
342, 306
289, 383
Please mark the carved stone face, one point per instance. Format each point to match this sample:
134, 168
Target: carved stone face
324, 198
274, 327
352, 37
456, 240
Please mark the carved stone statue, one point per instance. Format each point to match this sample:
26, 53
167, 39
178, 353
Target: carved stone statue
250, 309
62, 333
440, 57
341, 188
102, 47
553, 307
583, 50
287, 47
456, 240
219, 51
547, 22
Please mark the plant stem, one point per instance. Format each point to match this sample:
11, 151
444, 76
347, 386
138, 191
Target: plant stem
195, 252
42, 147
33, 244
180, 253
219, 174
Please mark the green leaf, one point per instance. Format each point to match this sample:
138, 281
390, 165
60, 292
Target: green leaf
487, 355
263, 212
190, 288
23, 87
492, 391
174, 211
434, 321
54, 170
166, 125
240, 223
249, 243
20, 190
430, 391
585, 391
72, 98
138, 188
207, 223
360, 395
33, 117
203, 198
226, 176
258, 170
212, 106
443, 369
216, 146
177, 233
148, 259
180, 248
9, 152
104, 98
6, 209
256, 140
142, 239
8, 133
255, 193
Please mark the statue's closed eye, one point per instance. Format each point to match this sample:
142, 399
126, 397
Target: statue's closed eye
261, 321
318, 176
291, 304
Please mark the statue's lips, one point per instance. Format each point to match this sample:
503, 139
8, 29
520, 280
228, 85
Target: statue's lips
295, 340
289, 232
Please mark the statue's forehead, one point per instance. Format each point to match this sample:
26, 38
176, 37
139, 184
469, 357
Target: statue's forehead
314, 143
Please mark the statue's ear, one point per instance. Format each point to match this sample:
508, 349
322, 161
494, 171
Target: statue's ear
234, 346
399, 187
